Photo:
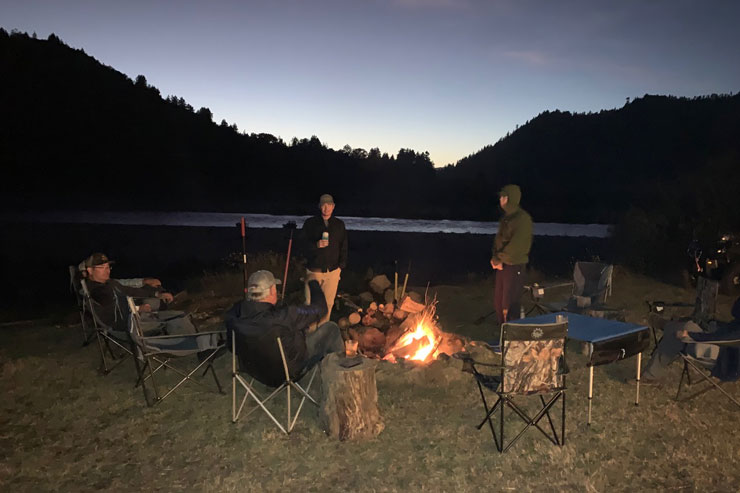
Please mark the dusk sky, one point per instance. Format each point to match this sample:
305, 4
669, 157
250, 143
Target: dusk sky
444, 76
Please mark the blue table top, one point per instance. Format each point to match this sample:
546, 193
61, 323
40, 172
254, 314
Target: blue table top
585, 328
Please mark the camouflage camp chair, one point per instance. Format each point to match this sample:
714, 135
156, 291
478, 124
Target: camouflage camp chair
591, 287
246, 364
533, 364
154, 353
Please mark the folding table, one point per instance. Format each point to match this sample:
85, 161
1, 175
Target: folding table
607, 340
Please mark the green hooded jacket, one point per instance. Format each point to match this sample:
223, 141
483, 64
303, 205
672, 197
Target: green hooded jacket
513, 241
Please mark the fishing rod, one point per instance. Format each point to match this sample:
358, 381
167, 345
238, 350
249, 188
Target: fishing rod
244, 254
291, 225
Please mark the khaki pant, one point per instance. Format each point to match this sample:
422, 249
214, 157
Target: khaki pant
328, 282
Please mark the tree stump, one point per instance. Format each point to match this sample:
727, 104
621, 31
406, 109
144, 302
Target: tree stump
349, 402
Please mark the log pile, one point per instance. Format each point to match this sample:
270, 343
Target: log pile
389, 329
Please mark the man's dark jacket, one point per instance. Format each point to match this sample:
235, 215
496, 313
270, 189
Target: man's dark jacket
104, 294
257, 325
328, 258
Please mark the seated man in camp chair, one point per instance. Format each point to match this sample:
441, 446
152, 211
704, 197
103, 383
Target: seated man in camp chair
680, 333
104, 291
258, 321
134, 282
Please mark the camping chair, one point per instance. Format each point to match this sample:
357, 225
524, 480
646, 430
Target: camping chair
701, 357
591, 286
704, 307
153, 353
75, 286
533, 364
250, 353
108, 337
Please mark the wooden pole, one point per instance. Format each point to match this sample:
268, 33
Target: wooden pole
405, 281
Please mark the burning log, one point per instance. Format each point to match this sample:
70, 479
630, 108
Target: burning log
349, 404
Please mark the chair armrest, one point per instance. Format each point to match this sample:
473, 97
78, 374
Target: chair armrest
538, 290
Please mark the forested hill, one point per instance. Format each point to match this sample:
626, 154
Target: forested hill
595, 166
77, 134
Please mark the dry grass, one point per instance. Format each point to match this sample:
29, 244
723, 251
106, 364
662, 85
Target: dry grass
64, 427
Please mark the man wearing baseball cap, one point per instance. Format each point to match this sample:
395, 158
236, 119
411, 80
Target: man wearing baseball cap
257, 322
103, 291
326, 251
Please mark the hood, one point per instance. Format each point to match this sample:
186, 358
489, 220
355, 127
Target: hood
515, 196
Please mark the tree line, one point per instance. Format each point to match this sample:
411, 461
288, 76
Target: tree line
80, 135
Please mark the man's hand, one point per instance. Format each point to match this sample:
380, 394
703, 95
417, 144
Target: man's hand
146, 307
496, 265
322, 243
166, 297
153, 282
683, 334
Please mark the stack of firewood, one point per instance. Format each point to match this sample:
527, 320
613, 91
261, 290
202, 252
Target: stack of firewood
377, 321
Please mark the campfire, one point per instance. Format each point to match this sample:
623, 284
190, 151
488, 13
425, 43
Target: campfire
419, 341
408, 330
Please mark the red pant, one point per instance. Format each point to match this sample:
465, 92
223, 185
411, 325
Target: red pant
508, 292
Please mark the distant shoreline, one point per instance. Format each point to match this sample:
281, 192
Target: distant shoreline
268, 221
36, 256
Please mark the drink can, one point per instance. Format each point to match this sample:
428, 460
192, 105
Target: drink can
325, 236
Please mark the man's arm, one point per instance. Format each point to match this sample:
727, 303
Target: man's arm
305, 315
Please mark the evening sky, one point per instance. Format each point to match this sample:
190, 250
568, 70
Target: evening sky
444, 76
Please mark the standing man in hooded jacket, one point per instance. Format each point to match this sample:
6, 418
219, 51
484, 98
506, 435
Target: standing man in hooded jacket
510, 254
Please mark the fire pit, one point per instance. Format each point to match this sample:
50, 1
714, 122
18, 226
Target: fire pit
410, 332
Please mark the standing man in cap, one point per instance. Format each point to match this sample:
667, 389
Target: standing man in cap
510, 254
258, 321
326, 250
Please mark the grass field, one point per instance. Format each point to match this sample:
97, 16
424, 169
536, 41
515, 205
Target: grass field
65, 427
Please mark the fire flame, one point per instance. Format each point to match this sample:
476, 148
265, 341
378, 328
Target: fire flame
418, 344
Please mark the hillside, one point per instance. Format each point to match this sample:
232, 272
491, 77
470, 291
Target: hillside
79, 134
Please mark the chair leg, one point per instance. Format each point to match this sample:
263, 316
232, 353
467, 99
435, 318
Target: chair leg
562, 432
549, 419
489, 413
684, 372
534, 421
501, 427
688, 364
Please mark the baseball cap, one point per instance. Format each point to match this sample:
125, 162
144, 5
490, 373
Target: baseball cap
98, 259
326, 199
260, 282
